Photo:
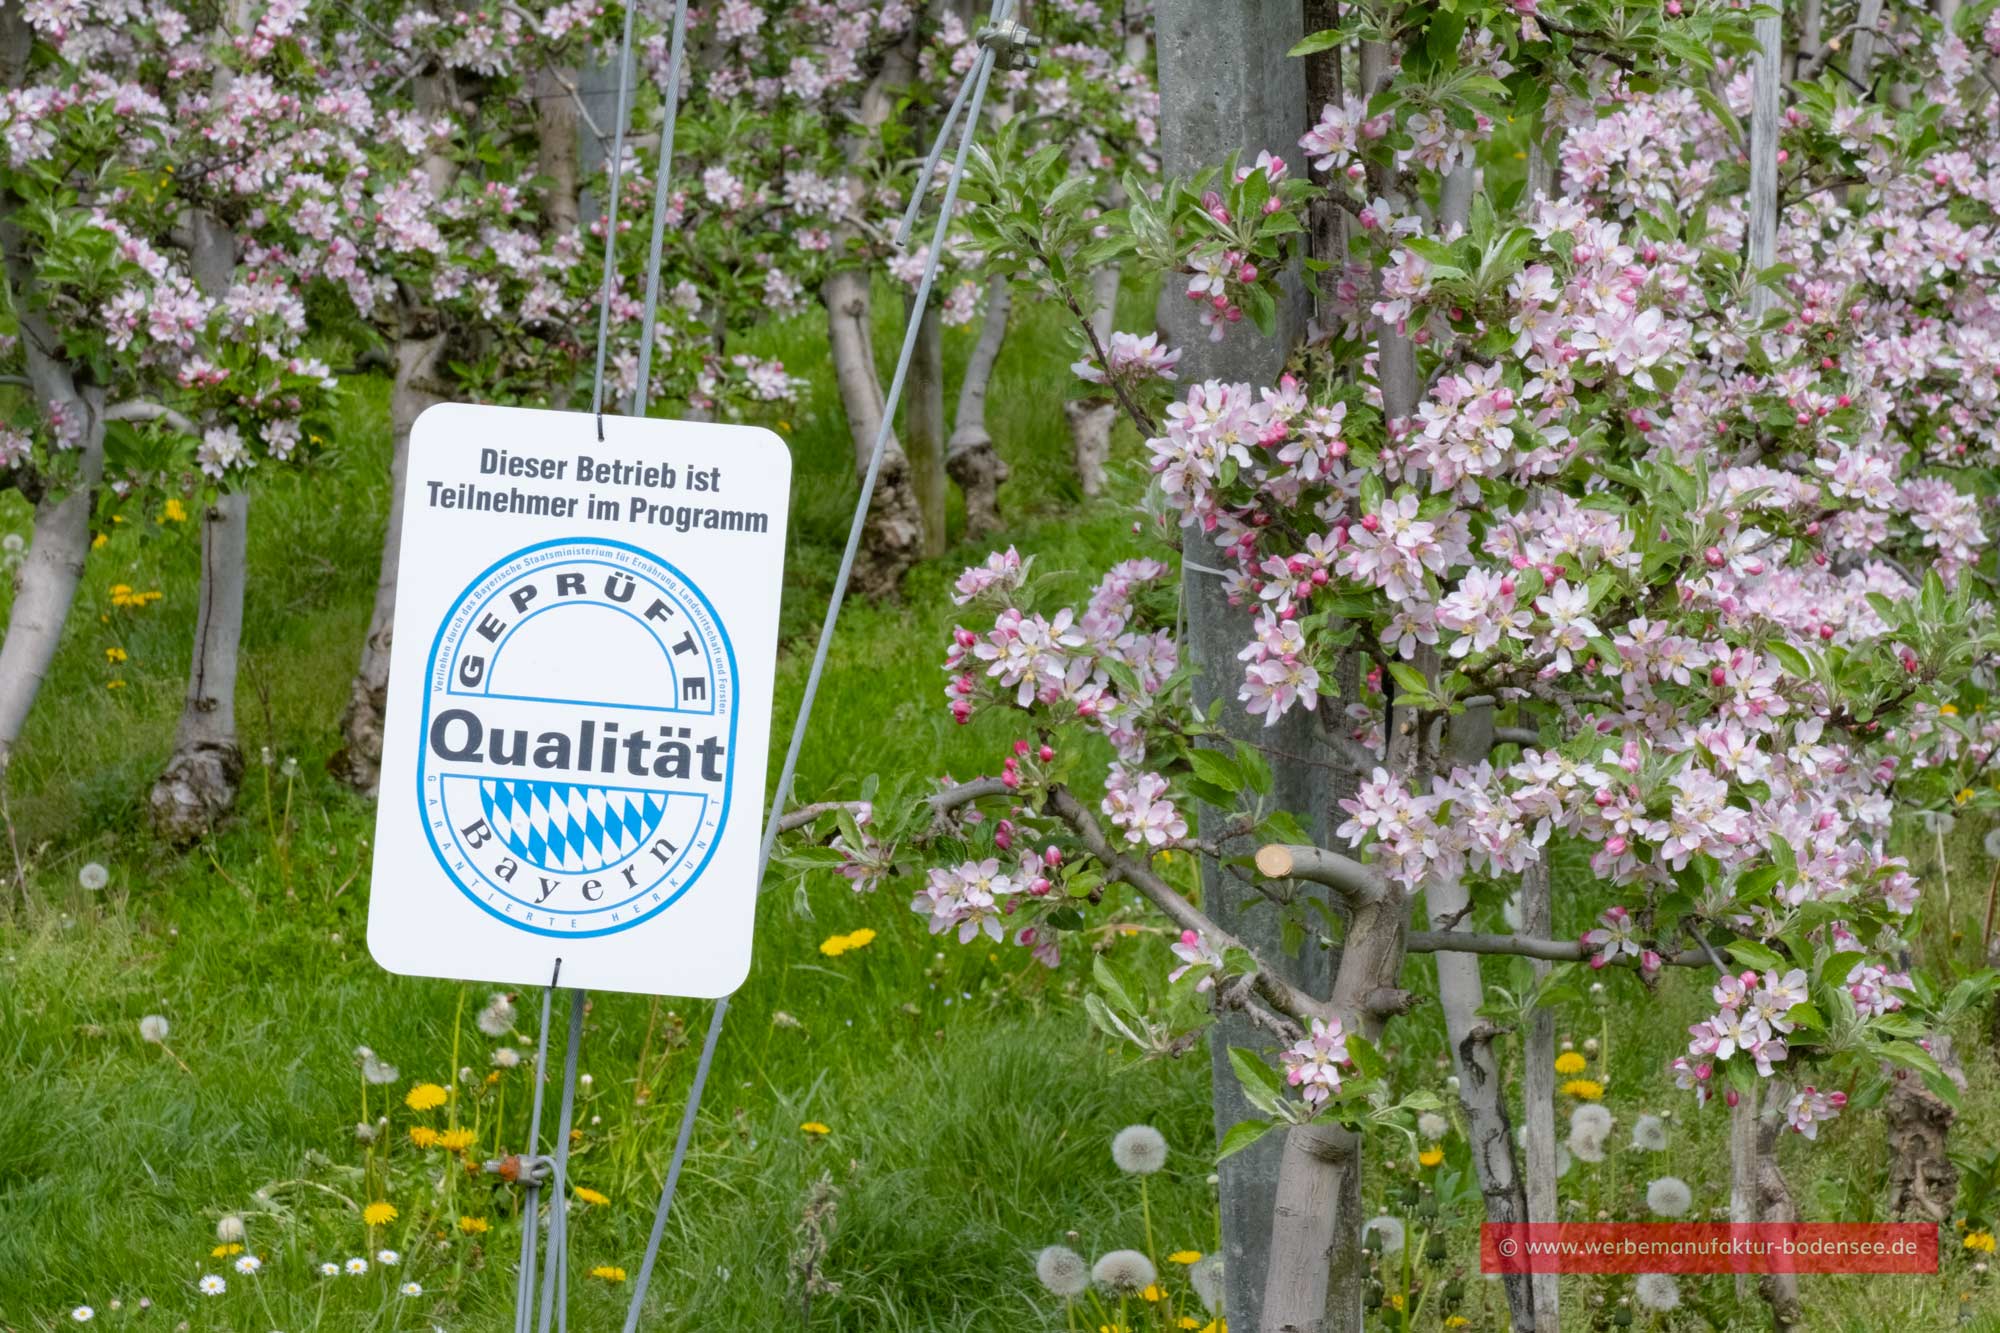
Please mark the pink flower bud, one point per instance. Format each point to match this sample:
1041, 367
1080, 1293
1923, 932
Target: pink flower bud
1825, 633
1731, 1098
1506, 586
1603, 797
1714, 557
961, 711
1040, 888
1052, 856
1616, 844
1247, 274
1370, 523
1718, 677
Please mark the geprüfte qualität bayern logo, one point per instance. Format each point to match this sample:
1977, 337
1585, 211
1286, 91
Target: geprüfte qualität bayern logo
578, 733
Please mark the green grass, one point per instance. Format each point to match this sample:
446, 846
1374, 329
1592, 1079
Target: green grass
969, 1105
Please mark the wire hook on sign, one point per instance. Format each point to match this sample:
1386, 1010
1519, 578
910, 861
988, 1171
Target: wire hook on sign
1003, 44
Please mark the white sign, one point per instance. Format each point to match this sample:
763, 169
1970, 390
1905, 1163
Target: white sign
580, 700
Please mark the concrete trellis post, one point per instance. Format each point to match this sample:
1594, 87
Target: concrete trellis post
1226, 86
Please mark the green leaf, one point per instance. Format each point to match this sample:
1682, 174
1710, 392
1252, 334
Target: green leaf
1242, 1134
1261, 1084
1323, 40
1216, 767
1411, 680
1752, 954
1790, 658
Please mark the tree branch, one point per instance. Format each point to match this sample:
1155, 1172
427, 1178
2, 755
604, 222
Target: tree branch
941, 803
1274, 990
1351, 879
138, 409
1521, 946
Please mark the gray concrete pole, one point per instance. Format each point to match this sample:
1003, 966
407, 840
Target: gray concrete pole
1226, 86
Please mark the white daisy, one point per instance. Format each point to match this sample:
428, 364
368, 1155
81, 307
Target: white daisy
412, 1289
356, 1267
211, 1285
248, 1264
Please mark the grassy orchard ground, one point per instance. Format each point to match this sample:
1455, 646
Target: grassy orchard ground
969, 1109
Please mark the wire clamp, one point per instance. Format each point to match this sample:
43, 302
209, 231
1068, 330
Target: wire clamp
1012, 45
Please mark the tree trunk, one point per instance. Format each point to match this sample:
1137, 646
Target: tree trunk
1538, 1088
198, 785
1091, 419
45, 585
359, 762
1923, 1183
1226, 86
557, 152
970, 457
1774, 1204
201, 778
924, 427
1461, 993
893, 539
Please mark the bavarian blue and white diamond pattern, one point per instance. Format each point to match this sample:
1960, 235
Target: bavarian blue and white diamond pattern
560, 826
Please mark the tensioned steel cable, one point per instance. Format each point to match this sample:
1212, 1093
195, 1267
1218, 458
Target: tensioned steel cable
976, 79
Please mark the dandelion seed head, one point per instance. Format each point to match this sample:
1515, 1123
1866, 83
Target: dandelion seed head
1669, 1196
1586, 1147
497, 1018
505, 1057
1432, 1127
154, 1028
1063, 1271
1123, 1270
1139, 1150
93, 876
1388, 1232
13, 544
1592, 1119
1206, 1279
373, 1069
1657, 1292
1649, 1134
229, 1229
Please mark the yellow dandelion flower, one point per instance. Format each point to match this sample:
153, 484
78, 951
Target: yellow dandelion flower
224, 1251
114, 684
173, 511
97, 542
1152, 1293
474, 1226
425, 1097
1431, 1156
589, 1195
1187, 1321
423, 1136
1457, 1321
1963, 796
1569, 1062
379, 1213
1184, 1257
457, 1140
1979, 1240
1396, 1301
833, 946
814, 1127
115, 654
861, 938
609, 1272
1584, 1089
120, 590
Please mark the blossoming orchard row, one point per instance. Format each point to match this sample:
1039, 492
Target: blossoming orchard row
1606, 539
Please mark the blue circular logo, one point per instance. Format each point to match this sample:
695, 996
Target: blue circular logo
578, 734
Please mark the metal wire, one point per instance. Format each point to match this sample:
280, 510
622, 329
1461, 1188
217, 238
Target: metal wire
611, 221
976, 80
642, 389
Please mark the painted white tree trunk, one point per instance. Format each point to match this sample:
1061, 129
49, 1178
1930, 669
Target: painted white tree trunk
201, 779
1538, 1089
1091, 419
45, 584
970, 457
359, 762
893, 538
1489, 1133
199, 783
